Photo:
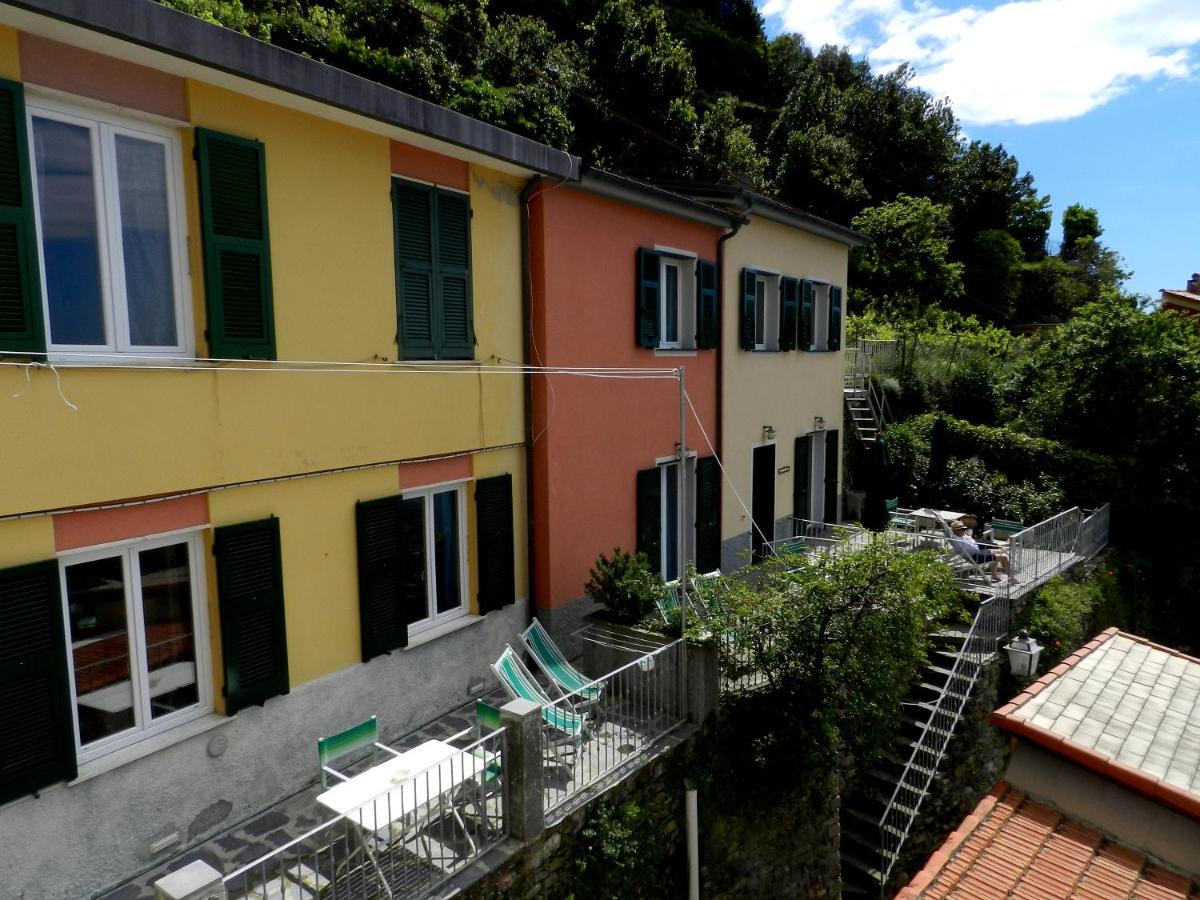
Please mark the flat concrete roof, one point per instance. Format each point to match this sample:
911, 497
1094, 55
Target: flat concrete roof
1125, 708
151, 25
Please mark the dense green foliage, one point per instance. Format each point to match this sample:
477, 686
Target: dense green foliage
693, 90
618, 851
839, 638
1063, 615
624, 584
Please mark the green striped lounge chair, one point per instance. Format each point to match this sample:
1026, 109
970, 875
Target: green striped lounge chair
519, 683
668, 604
551, 660
363, 736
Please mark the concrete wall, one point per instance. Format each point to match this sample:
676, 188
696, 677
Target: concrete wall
592, 436
785, 390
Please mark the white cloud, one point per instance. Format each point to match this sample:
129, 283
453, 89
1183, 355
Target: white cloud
1017, 61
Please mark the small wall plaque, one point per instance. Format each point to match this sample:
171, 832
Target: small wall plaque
783, 470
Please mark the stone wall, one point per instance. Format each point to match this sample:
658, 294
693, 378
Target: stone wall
779, 840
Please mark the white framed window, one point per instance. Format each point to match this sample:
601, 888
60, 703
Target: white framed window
816, 477
766, 311
669, 488
108, 203
820, 317
444, 550
136, 617
677, 302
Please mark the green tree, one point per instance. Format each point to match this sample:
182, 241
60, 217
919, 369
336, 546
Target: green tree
1051, 291
728, 144
992, 274
905, 265
638, 69
1080, 227
988, 193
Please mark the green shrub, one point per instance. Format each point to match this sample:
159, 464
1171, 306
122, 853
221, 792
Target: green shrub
1061, 615
619, 854
625, 584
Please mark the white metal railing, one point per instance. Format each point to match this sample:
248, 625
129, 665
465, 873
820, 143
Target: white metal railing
797, 535
1036, 554
631, 708
402, 843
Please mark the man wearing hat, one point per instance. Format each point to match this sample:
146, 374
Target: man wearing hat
971, 549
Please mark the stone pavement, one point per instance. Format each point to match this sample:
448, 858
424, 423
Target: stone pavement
288, 818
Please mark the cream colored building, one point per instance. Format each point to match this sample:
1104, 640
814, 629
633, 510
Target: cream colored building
783, 287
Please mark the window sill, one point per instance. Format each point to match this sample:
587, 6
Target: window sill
445, 628
134, 752
672, 352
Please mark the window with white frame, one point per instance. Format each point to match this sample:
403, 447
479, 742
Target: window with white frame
669, 516
138, 633
677, 303
109, 214
821, 316
444, 559
766, 312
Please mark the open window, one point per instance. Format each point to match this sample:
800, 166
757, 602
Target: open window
675, 301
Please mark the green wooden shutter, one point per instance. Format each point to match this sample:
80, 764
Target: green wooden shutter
250, 598
708, 514
835, 318
494, 544
789, 312
454, 328
647, 293
649, 516
379, 576
806, 314
413, 209
831, 476
21, 320
746, 332
707, 307
237, 250
801, 473
35, 706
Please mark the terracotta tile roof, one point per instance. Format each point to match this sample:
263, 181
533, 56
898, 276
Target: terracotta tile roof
1125, 708
1012, 846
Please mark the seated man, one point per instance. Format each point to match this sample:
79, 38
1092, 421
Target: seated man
971, 549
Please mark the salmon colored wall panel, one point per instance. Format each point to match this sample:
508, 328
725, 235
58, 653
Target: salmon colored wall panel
413, 475
88, 74
101, 526
425, 165
597, 433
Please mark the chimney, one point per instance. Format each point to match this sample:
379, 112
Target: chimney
1194, 283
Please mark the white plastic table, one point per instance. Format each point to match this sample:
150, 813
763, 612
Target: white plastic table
389, 792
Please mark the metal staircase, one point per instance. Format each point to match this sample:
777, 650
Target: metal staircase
866, 404
878, 815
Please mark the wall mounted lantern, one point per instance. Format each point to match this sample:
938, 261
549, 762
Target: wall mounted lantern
1023, 655
768, 432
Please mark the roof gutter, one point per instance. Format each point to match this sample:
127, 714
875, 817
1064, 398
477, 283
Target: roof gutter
649, 196
168, 31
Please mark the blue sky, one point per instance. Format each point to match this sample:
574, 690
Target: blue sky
1099, 99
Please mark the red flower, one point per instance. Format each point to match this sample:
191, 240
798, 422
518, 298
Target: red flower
1058, 643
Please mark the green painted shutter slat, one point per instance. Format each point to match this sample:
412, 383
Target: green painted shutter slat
801, 473
237, 246
413, 599
21, 322
495, 545
746, 331
835, 318
453, 306
708, 514
35, 706
806, 314
831, 476
250, 598
649, 516
378, 534
707, 307
647, 293
789, 313
414, 211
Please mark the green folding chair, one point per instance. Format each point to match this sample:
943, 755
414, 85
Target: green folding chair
362, 736
519, 683
551, 660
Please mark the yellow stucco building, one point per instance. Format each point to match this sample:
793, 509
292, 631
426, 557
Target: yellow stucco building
264, 473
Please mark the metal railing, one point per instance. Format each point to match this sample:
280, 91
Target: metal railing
630, 709
402, 843
1036, 554
797, 535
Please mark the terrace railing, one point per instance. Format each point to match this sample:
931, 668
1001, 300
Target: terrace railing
1036, 554
401, 844
633, 707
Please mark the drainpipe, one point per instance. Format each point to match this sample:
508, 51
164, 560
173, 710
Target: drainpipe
527, 330
720, 429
